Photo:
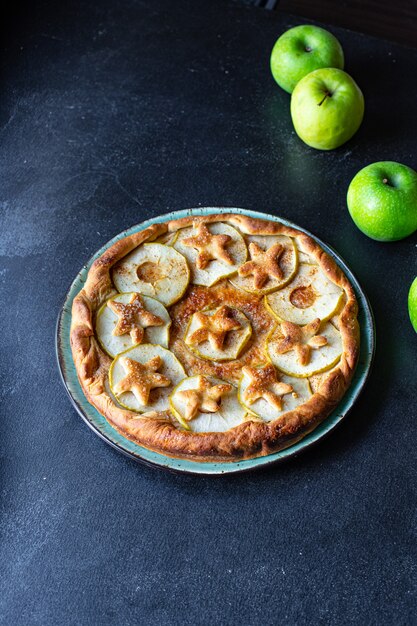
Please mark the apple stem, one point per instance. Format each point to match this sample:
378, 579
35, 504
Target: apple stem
326, 95
385, 181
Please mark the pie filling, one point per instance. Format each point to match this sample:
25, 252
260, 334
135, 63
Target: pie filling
216, 327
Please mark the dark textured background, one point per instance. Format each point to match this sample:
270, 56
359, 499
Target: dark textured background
395, 21
114, 112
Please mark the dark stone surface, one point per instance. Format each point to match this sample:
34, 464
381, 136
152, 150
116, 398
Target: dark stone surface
112, 112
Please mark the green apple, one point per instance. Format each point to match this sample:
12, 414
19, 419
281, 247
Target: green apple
326, 108
412, 303
301, 50
382, 200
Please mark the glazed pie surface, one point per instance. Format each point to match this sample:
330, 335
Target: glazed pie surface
220, 337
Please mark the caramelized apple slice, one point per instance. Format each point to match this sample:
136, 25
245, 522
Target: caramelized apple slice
206, 404
142, 378
272, 264
155, 270
304, 351
218, 334
213, 251
151, 316
255, 397
311, 294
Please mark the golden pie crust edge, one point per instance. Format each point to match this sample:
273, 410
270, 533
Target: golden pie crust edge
249, 439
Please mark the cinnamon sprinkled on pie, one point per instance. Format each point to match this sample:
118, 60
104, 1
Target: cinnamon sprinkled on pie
214, 328
302, 339
265, 384
141, 378
222, 314
133, 318
210, 247
263, 265
205, 398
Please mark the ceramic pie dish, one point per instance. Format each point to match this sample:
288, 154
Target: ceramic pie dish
214, 338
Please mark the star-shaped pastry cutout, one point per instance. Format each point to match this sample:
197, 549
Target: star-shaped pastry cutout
133, 318
264, 264
205, 398
214, 328
265, 384
141, 378
210, 247
302, 339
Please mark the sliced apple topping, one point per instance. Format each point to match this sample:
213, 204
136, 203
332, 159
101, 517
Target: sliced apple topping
301, 339
272, 264
268, 395
213, 327
128, 319
218, 334
264, 384
264, 264
206, 404
311, 294
303, 256
155, 270
304, 350
133, 317
209, 247
167, 238
212, 250
205, 398
142, 378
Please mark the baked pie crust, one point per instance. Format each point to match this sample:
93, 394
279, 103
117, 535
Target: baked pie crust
247, 372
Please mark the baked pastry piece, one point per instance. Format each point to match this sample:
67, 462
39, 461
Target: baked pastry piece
215, 338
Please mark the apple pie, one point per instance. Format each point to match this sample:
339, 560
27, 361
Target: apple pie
215, 338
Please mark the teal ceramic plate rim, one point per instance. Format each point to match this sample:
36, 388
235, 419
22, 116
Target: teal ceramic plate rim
102, 428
